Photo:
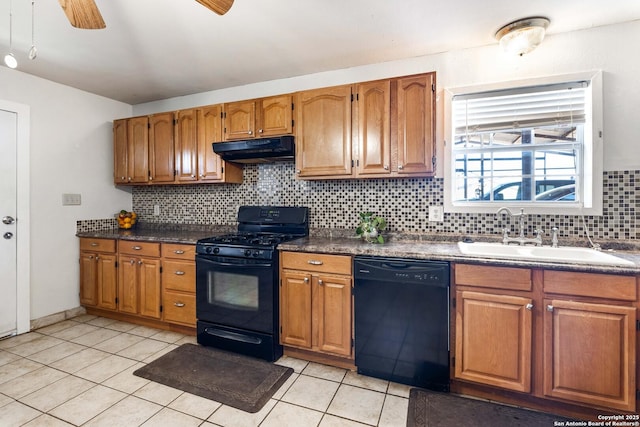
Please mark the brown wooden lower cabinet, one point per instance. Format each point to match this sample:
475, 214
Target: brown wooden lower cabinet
151, 284
316, 306
561, 337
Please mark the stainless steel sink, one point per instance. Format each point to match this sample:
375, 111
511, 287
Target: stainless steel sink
542, 253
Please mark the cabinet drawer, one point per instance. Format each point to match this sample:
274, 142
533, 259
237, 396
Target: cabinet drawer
179, 275
493, 277
97, 245
179, 307
591, 285
179, 251
139, 248
324, 263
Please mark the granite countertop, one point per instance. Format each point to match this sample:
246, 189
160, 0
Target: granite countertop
167, 233
439, 250
417, 246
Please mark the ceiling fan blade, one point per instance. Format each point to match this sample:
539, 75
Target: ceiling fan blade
83, 14
218, 6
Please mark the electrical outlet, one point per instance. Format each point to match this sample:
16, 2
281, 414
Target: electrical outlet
71, 199
156, 210
436, 213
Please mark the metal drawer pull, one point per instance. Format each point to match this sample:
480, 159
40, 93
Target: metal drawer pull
314, 262
320, 282
306, 280
180, 273
94, 244
549, 308
528, 306
136, 248
178, 252
178, 304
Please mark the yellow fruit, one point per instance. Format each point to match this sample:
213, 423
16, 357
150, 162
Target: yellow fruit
127, 220
134, 215
127, 225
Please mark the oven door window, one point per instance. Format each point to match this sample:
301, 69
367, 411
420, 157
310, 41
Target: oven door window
236, 293
233, 291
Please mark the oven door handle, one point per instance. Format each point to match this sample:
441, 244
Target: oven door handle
233, 264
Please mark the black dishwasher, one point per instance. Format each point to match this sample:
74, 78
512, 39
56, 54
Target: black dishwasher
402, 320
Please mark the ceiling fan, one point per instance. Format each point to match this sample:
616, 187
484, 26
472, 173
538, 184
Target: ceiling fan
85, 14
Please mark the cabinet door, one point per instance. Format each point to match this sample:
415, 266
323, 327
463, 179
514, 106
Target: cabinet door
120, 171
138, 150
88, 279
374, 136
295, 309
107, 281
149, 283
323, 136
186, 146
416, 124
161, 148
209, 131
239, 120
333, 317
493, 340
128, 284
275, 116
590, 353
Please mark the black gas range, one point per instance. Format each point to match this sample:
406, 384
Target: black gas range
237, 281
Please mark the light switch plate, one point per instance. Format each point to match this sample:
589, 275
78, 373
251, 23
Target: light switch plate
156, 210
436, 213
71, 199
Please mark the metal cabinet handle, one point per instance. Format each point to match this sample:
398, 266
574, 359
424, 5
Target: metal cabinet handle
94, 244
400, 167
386, 167
8, 220
250, 132
179, 304
136, 248
320, 282
314, 262
97, 257
140, 262
133, 261
549, 308
306, 280
178, 252
260, 130
179, 273
298, 171
90, 256
528, 306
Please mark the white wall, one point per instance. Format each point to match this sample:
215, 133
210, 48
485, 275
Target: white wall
611, 49
71, 152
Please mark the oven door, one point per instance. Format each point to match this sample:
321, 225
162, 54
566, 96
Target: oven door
236, 292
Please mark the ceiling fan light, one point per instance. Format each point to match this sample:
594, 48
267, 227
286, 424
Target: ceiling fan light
522, 36
10, 60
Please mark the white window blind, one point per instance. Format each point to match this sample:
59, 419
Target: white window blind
525, 107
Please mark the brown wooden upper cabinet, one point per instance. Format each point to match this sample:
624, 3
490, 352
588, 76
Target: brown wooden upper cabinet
171, 148
376, 129
258, 118
131, 150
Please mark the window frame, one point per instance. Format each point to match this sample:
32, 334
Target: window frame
591, 185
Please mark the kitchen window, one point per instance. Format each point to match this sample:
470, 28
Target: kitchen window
535, 145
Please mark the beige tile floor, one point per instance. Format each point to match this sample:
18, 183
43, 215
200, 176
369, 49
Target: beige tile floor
80, 373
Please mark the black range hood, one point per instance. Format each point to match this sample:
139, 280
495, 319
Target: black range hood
261, 150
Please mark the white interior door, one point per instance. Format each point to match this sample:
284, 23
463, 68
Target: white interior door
8, 226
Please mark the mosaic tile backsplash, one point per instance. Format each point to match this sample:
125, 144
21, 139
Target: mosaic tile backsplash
404, 203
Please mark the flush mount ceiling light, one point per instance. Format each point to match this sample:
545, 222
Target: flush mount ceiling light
523, 35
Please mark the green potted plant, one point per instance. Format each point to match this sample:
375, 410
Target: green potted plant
370, 227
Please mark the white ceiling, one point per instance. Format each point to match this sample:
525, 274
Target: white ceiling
157, 49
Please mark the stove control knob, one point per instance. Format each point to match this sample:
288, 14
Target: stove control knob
208, 249
216, 250
256, 253
247, 252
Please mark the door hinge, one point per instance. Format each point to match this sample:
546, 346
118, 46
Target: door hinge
433, 87
292, 106
222, 169
453, 302
453, 361
160, 308
637, 394
433, 161
116, 300
352, 164
175, 122
148, 125
351, 97
637, 325
160, 269
221, 115
353, 343
116, 264
293, 123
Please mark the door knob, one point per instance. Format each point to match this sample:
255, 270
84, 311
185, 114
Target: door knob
7, 235
8, 220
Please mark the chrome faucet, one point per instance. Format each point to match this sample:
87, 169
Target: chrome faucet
521, 240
